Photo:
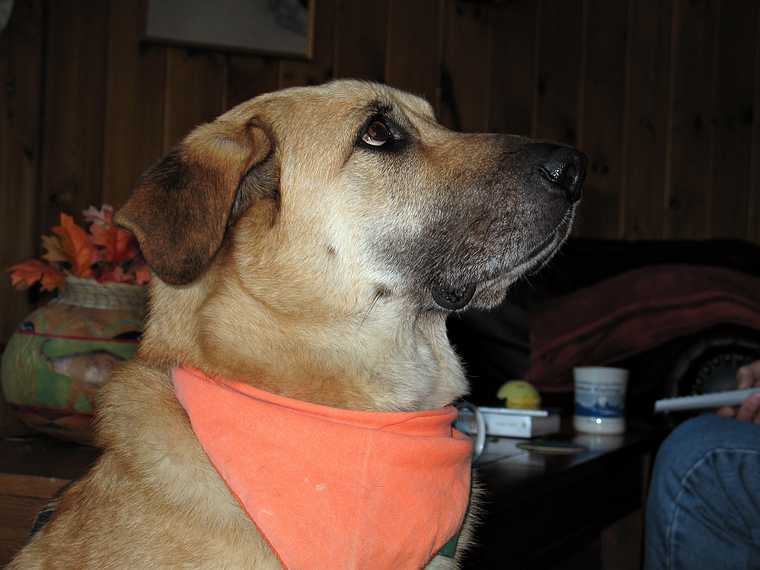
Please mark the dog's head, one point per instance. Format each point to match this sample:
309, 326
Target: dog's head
357, 186
313, 241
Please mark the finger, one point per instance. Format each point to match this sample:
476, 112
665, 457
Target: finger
726, 412
754, 369
749, 409
745, 377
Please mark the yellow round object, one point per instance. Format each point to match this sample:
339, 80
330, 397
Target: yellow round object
519, 394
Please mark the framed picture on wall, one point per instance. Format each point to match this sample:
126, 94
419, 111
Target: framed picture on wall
275, 27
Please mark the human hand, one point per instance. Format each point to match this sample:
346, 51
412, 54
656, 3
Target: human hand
749, 411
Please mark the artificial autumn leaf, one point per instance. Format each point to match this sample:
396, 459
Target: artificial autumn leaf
77, 247
107, 254
142, 274
53, 249
116, 275
27, 273
104, 216
119, 244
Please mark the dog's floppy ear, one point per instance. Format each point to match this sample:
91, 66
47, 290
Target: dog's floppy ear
182, 205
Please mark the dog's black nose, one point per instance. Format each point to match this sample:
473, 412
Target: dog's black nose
565, 168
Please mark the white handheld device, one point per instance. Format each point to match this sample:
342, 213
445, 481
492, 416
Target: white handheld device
705, 401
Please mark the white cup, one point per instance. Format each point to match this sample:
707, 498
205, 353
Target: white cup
600, 399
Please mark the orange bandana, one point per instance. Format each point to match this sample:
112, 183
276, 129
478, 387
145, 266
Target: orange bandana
333, 488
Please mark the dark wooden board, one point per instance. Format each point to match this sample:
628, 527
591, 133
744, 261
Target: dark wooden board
646, 118
602, 114
21, 76
74, 104
513, 29
734, 100
689, 183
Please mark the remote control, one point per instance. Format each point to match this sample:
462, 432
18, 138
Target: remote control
712, 400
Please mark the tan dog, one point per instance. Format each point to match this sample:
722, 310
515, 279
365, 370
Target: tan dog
310, 242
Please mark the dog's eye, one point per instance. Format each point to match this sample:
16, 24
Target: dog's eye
377, 134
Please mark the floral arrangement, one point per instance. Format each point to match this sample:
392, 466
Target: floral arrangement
104, 252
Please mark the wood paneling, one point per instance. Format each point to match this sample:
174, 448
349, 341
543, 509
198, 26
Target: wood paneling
559, 70
663, 95
195, 91
360, 39
732, 117
753, 210
133, 128
74, 108
248, 76
603, 96
466, 64
20, 130
413, 57
646, 118
692, 128
512, 29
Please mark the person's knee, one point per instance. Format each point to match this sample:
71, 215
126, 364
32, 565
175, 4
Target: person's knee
687, 444
704, 472
696, 438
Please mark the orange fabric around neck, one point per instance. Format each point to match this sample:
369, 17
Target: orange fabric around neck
333, 488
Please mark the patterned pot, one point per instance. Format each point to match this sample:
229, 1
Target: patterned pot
63, 352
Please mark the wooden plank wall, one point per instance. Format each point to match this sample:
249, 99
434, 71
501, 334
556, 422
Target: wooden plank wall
662, 94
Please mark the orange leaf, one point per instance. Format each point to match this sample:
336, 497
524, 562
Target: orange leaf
142, 274
27, 273
116, 275
119, 244
77, 246
52, 279
53, 250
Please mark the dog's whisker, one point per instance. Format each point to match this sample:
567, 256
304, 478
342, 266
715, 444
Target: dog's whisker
375, 299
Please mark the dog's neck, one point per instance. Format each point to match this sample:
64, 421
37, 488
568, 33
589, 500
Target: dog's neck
387, 360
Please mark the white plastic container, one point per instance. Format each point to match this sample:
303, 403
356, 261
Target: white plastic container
600, 399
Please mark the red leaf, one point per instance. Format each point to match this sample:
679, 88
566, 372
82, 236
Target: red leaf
77, 246
116, 275
27, 273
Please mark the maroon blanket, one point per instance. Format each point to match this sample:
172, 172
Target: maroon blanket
634, 312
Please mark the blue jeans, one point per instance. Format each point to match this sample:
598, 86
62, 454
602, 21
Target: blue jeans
703, 510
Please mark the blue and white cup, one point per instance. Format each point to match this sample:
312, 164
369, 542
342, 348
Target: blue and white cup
600, 399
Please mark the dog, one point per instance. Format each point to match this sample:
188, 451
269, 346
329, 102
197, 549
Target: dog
309, 244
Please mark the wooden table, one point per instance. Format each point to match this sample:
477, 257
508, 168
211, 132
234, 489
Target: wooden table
33, 469
541, 508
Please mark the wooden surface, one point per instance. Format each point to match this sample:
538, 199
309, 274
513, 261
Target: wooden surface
33, 469
601, 134
74, 109
663, 95
544, 508
646, 119
21, 57
692, 124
